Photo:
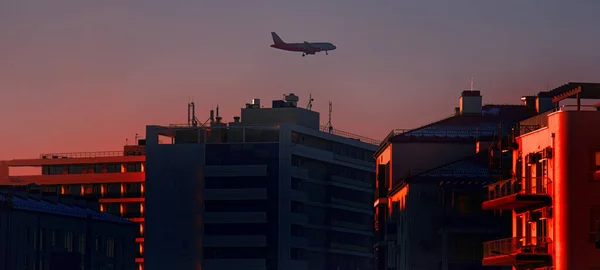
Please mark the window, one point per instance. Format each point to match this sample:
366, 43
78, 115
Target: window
296, 183
27, 233
41, 240
53, 238
235, 252
296, 254
69, 241
235, 229
82, 244
110, 247
97, 242
296, 230
296, 207
597, 161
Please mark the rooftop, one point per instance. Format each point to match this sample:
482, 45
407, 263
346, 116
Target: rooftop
469, 125
472, 170
29, 203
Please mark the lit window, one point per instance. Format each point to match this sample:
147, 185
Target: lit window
598, 161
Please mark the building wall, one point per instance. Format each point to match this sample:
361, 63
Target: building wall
304, 178
573, 186
174, 202
19, 230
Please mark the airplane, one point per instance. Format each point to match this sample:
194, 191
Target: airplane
306, 47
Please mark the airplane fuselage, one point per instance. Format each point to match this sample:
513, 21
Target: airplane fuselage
301, 47
304, 47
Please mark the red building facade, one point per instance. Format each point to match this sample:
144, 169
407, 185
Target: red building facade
554, 190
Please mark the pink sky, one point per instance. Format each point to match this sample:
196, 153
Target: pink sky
83, 77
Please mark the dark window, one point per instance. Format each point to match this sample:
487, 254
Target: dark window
235, 252
235, 182
235, 229
350, 239
133, 190
134, 167
113, 208
236, 206
296, 254
112, 190
350, 216
113, 168
296, 207
296, 183
352, 195
296, 230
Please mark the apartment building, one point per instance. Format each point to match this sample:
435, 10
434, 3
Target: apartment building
430, 183
115, 178
50, 232
270, 190
553, 194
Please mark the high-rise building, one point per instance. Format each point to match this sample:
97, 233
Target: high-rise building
116, 178
274, 190
553, 192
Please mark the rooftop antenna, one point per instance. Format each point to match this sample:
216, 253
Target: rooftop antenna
329, 126
310, 100
136, 137
471, 83
126, 141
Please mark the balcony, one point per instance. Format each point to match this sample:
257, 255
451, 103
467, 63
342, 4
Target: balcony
531, 252
510, 194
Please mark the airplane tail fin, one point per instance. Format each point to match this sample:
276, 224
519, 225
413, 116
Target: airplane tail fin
276, 38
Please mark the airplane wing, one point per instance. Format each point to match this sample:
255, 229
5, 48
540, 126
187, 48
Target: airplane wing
309, 46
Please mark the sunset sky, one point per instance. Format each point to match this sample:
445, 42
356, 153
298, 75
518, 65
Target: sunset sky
84, 75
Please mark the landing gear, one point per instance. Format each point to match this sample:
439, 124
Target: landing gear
303, 54
326, 53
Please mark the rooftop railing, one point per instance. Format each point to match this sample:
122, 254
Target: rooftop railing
541, 120
326, 129
513, 246
349, 135
521, 185
82, 155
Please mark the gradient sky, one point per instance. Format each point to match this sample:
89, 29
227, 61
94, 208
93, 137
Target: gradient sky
84, 75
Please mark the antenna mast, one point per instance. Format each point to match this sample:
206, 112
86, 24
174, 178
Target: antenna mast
329, 126
192, 120
310, 100
471, 83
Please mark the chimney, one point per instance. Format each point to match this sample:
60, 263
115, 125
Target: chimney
236, 119
470, 102
544, 102
456, 110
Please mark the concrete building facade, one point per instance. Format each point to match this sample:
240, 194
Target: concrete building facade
272, 191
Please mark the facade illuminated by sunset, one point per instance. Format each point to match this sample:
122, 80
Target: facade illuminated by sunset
553, 192
116, 178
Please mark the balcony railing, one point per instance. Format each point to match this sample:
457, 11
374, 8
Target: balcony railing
82, 155
515, 246
522, 185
